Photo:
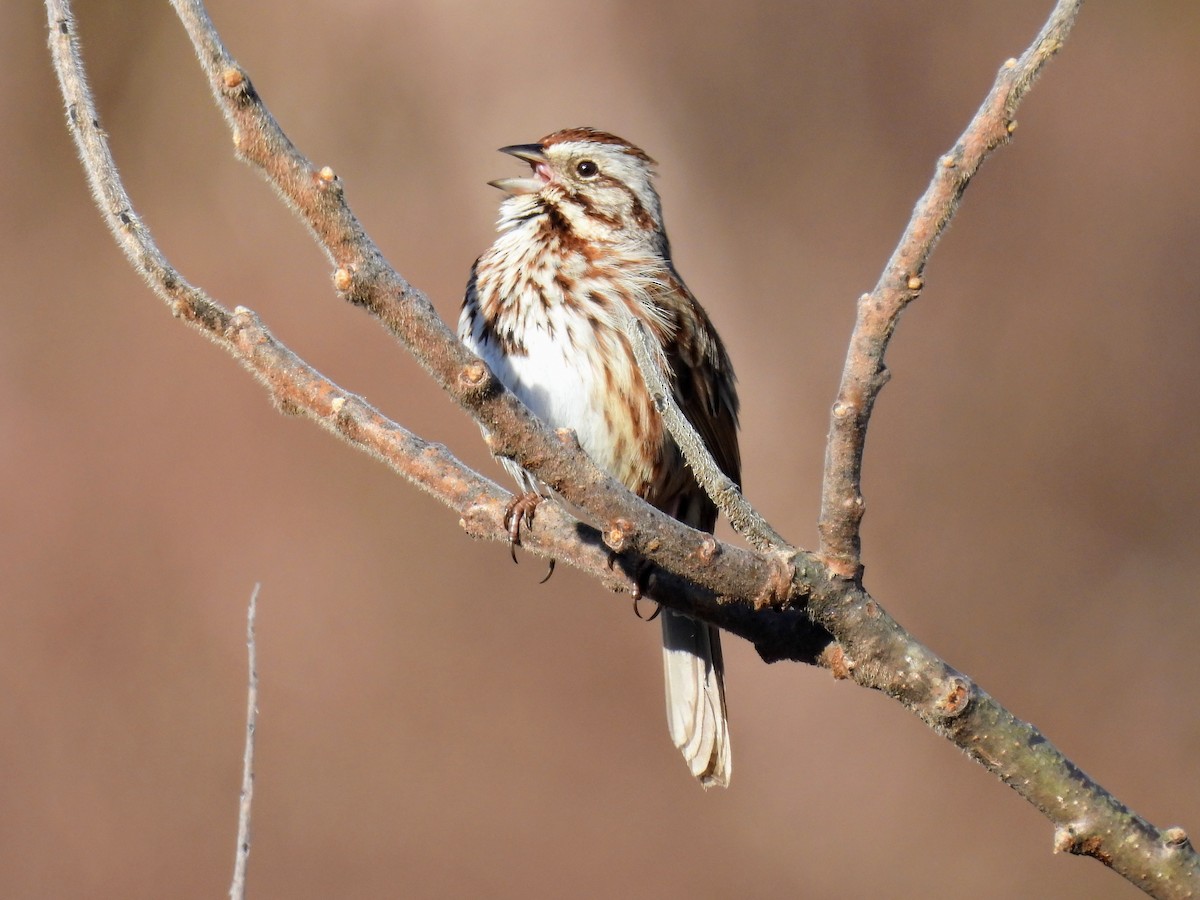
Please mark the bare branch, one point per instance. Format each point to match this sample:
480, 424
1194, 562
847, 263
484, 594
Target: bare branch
237, 890
865, 374
762, 597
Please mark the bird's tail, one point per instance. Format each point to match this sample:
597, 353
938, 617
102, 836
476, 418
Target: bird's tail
695, 679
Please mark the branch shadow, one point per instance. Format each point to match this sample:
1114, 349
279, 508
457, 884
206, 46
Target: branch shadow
777, 634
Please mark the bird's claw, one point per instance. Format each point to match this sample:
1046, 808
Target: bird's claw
520, 511
641, 578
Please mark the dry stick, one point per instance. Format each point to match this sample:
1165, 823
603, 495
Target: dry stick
877, 652
237, 890
865, 374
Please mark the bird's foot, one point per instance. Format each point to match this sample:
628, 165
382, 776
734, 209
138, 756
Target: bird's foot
518, 513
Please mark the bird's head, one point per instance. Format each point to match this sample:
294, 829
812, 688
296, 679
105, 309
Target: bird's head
583, 172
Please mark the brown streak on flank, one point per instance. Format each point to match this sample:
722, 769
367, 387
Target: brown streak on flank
645, 423
598, 329
637, 421
610, 382
585, 133
570, 301
609, 423
620, 443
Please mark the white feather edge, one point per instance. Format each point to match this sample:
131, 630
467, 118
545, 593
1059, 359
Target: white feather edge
695, 696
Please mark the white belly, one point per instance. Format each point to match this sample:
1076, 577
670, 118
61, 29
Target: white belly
552, 380
605, 403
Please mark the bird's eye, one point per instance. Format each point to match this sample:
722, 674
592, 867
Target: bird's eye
587, 169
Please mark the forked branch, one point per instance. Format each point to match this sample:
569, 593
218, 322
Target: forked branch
865, 374
790, 604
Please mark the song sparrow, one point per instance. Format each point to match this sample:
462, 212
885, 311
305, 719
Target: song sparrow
580, 239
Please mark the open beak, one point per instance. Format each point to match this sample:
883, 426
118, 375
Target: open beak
536, 157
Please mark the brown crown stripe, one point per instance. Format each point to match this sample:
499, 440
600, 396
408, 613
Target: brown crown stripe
585, 133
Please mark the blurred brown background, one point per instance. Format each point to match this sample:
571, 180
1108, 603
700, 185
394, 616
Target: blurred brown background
434, 723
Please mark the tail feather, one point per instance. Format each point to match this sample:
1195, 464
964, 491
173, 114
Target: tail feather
695, 683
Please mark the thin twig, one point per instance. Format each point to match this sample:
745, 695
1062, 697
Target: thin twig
103, 179
237, 890
744, 518
865, 374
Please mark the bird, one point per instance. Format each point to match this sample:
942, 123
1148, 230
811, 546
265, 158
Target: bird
581, 246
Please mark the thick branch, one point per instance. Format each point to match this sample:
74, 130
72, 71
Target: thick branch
752, 594
880, 654
865, 374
